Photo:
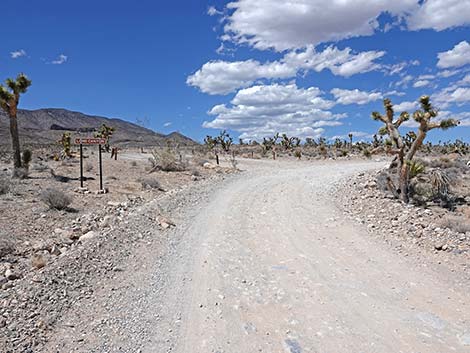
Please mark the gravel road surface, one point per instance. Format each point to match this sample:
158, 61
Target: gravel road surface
267, 263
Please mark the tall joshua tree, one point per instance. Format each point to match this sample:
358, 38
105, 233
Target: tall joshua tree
9, 100
406, 151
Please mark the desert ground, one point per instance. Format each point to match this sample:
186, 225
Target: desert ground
280, 256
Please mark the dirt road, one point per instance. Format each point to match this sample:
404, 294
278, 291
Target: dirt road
268, 264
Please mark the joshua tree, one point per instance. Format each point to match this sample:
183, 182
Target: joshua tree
105, 132
269, 144
66, 143
350, 135
310, 142
289, 142
405, 149
225, 141
211, 144
9, 100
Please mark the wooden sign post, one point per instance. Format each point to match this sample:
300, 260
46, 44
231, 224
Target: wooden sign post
91, 141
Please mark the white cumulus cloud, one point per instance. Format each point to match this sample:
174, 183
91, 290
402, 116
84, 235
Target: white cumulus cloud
355, 96
460, 96
263, 110
299, 23
421, 83
61, 59
17, 54
440, 15
456, 57
222, 77
405, 107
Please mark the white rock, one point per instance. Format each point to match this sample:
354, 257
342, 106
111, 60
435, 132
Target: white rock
87, 236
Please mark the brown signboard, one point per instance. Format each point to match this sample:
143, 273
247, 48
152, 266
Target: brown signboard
90, 141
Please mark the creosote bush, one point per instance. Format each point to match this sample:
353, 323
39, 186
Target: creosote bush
7, 245
166, 161
20, 173
457, 224
26, 158
150, 183
56, 199
5, 185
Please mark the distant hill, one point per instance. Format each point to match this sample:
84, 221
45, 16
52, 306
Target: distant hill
46, 126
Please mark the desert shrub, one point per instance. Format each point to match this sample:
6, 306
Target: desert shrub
20, 173
166, 161
366, 152
385, 181
442, 162
56, 199
195, 172
298, 154
88, 167
133, 164
38, 261
5, 185
343, 153
26, 157
7, 246
457, 224
150, 183
40, 167
200, 161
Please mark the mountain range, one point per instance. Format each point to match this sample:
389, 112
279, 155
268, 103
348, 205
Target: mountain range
46, 126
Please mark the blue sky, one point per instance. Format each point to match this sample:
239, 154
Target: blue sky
253, 67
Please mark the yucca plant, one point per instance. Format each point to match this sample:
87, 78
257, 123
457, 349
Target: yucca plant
9, 100
66, 142
416, 168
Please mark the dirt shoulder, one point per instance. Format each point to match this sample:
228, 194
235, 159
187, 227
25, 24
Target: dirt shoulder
83, 249
421, 232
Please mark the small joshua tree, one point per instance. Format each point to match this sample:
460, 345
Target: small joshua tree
65, 142
225, 141
105, 132
9, 100
211, 144
289, 142
350, 135
26, 158
405, 149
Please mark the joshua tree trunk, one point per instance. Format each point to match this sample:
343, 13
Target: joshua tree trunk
405, 167
15, 139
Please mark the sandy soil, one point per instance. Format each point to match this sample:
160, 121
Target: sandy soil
267, 263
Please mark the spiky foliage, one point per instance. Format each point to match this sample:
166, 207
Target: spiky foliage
26, 158
310, 142
350, 135
9, 100
225, 141
269, 142
289, 142
416, 168
66, 143
105, 132
210, 142
440, 182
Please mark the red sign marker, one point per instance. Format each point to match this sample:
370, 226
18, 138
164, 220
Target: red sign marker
90, 141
